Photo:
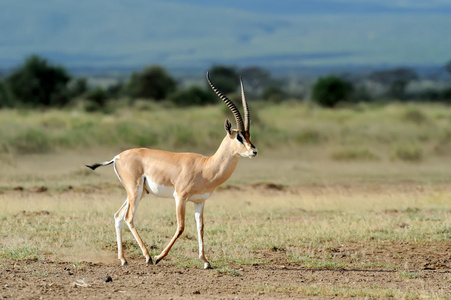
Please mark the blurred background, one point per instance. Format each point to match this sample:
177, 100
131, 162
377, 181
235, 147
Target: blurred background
327, 80
64, 53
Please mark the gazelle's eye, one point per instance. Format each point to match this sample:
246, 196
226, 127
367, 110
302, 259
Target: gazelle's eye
239, 138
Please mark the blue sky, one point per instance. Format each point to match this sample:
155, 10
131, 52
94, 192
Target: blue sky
198, 33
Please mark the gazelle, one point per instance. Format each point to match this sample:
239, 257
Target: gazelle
183, 176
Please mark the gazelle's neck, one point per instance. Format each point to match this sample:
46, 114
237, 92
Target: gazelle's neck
222, 164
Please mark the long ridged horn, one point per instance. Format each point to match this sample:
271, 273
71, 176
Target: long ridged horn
230, 105
247, 120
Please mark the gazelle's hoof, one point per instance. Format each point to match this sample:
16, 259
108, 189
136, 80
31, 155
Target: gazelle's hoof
207, 266
157, 260
149, 260
124, 262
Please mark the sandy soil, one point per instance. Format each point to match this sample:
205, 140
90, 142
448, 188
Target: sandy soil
277, 279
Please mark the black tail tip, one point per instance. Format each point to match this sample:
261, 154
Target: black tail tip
94, 166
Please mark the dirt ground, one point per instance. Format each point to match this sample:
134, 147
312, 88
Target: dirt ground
277, 279
428, 271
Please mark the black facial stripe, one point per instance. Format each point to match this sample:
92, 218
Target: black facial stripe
239, 138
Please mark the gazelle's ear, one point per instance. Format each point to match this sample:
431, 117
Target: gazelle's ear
228, 127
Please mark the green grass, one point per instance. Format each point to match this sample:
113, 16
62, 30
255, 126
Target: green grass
409, 275
409, 133
20, 251
354, 154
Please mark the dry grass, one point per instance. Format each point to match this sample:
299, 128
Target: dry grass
411, 133
366, 178
314, 212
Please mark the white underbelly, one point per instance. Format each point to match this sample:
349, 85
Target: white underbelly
160, 190
169, 192
197, 198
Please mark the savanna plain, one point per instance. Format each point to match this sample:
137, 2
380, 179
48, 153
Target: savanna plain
352, 202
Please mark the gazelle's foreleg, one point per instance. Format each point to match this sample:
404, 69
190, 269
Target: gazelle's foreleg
119, 217
180, 206
133, 199
199, 216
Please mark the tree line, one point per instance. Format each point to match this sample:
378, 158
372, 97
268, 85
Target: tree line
38, 83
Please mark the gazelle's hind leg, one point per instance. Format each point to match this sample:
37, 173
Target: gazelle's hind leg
133, 200
119, 217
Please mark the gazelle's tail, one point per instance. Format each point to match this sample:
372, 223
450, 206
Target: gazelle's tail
106, 163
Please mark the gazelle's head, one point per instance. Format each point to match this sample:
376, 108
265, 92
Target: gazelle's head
240, 138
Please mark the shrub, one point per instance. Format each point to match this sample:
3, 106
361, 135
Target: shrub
192, 96
415, 116
98, 96
408, 153
39, 83
6, 98
329, 91
224, 78
151, 83
446, 95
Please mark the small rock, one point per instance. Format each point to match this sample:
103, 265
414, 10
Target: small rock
107, 278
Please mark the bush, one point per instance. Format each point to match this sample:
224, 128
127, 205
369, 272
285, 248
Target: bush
329, 91
97, 98
6, 98
407, 153
224, 78
39, 83
446, 95
192, 96
415, 116
151, 83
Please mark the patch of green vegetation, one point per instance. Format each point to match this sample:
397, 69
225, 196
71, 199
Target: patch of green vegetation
415, 116
408, 153
354, 155
228, 271
30, 140
349, 133
310, 136
409, 275
19, 252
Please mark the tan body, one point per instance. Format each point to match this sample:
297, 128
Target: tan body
183, 176
190, 173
